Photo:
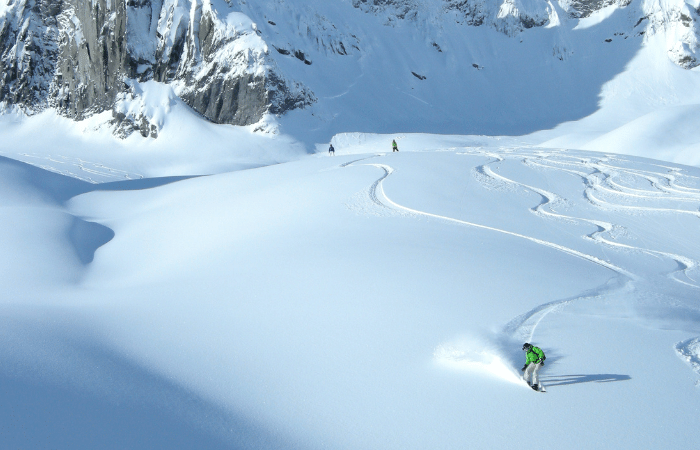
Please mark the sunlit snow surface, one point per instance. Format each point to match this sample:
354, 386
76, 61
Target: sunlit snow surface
369, 299
256, 296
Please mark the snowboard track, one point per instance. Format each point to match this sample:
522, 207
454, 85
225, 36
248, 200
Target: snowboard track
597, 177
604, 228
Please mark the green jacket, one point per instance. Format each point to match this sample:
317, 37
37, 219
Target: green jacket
534, 355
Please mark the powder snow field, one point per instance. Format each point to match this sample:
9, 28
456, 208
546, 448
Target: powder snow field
235, 287
366, 300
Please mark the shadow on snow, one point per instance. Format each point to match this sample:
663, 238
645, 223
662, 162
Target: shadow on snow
563, 380
86, 237
62, 389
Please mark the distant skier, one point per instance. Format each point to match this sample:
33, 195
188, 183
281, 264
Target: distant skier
534, 360
394, 147
331, 150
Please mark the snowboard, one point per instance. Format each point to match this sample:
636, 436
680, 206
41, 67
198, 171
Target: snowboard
541, 389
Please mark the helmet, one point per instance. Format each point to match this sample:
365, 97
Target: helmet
527, 346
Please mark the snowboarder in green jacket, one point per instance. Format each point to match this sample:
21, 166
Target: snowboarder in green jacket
534, 360
394, 147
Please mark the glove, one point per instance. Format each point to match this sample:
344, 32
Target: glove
542, 362
524, 367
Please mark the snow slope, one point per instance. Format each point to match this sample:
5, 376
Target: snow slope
365, 300
372, 299
188, 145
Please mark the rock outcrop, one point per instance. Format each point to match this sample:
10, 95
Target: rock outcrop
83, 57
79, 55
29, 36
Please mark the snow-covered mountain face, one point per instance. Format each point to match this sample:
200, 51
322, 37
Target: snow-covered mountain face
369, 65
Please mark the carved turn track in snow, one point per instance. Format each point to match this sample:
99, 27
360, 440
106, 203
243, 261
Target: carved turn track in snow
378, 196
545, 208
613, 192
523, 324
601, 179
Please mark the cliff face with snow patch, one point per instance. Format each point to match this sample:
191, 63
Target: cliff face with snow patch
79, 56
84, 57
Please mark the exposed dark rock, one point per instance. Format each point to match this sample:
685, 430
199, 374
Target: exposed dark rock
75, 55
93, 57
530, 22
686, 20
28, 53
640, 21
82, 56
299, 55
472, 12
228, 100
687, 62
400, 9
584, 8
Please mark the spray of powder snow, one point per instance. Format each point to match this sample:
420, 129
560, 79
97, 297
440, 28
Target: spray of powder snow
489, 356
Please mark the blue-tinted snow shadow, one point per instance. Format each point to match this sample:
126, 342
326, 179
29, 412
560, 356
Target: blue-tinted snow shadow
62, 188
564, 380
36, 415
140, 184
59, 389
86, 237
42, 416
55, 186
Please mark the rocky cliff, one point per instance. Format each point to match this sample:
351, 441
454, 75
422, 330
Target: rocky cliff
83, 57
79, 55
